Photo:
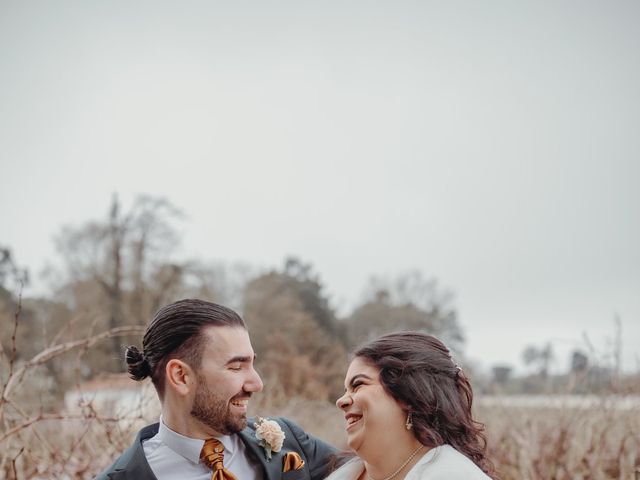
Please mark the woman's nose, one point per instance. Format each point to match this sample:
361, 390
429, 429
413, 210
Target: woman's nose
343, 401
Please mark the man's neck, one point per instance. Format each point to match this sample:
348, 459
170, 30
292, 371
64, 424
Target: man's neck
188, 426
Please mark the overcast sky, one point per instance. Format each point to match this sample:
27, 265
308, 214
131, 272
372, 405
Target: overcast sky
493, 145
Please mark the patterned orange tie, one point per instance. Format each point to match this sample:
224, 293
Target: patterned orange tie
212, 455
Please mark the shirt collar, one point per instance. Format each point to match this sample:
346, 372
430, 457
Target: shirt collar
190, 448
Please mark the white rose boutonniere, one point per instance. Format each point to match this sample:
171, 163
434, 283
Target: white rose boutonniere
270, 436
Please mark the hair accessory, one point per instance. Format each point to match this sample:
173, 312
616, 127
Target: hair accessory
409, 422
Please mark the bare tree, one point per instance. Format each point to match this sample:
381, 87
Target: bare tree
9, 270
539, 358
410, 302
120, 268
292, 323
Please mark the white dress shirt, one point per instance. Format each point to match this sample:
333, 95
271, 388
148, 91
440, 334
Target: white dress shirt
172, 456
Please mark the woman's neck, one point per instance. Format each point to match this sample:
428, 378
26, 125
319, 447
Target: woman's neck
395, 462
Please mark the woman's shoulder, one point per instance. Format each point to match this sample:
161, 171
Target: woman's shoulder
445, 462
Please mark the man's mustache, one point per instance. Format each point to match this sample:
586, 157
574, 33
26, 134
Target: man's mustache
242, 396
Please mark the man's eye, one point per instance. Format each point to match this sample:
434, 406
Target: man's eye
235, 367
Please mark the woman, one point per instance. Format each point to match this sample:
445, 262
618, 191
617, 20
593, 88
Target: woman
407, 408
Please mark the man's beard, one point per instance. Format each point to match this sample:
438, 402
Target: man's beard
213, 410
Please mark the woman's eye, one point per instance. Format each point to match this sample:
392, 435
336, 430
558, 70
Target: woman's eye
356, 385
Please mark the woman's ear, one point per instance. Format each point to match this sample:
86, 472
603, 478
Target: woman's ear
179, 377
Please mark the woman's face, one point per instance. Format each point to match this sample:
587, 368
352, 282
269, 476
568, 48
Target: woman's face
373, 419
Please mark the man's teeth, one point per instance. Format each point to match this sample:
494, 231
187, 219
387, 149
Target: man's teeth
240, 403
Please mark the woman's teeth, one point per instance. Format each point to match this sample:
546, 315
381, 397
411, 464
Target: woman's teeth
352, 420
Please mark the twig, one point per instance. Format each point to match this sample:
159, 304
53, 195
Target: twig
57, 350
74, 445
13, 463
14, 351
24, 414
64, 329
53, 416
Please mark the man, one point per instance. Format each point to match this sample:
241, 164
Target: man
200, 360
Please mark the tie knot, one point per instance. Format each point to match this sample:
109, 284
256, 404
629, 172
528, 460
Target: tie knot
212, 454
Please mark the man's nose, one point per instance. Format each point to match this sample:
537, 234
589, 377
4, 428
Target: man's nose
254, 382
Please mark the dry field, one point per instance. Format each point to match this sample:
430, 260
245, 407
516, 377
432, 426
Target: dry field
570, 443
525, 442
595, 442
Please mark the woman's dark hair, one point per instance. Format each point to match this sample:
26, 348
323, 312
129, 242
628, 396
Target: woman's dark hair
176, 332
418, 372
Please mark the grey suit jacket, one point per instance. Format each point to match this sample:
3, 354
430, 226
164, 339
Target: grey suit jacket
133, 465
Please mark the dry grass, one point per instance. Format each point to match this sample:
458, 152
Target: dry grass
531, 443
63, 449
596, 443
525, 443
563, 444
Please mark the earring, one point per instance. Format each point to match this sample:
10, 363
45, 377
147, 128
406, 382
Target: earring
409, 423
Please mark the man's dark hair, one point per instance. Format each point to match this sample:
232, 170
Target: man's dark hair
176, 332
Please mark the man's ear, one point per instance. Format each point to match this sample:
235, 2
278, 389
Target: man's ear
179, 377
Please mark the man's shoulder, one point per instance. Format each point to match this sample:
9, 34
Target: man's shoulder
316, 453
132, 455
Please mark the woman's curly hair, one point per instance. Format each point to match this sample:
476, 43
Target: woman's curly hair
418, 372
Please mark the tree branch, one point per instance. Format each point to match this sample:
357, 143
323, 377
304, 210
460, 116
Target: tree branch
56, 350
50, 416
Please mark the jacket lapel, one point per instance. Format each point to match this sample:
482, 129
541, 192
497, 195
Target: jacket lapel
137, 471
133, 464
273, 468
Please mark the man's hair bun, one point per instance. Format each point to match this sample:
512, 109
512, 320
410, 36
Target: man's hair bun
137, 364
